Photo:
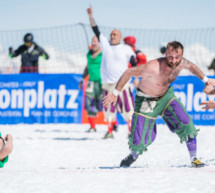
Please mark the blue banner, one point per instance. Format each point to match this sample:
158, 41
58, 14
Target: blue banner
55, 98
40, 98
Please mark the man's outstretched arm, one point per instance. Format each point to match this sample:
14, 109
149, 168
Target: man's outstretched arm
135, 71
209, 83
90, 13
92, 22
195, 70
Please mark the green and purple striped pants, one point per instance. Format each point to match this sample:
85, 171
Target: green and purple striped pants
144, 129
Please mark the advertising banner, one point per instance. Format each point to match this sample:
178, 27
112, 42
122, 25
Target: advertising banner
55, 98
40, 98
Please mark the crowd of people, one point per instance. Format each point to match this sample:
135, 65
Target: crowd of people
110, 67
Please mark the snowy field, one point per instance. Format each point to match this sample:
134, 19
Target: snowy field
64, 158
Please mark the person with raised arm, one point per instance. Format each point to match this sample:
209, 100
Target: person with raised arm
115, 60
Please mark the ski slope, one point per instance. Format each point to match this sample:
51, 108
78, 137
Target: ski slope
63, 158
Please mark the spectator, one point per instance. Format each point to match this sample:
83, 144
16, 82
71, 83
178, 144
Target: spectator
6, 147
140, 56
30, 53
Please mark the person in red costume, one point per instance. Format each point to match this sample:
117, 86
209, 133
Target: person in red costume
140, 56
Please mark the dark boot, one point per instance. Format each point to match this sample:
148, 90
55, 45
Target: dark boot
126, 162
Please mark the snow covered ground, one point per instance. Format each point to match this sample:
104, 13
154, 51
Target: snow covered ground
63, 158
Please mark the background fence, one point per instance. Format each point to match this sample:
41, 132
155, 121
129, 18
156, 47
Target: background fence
68, 45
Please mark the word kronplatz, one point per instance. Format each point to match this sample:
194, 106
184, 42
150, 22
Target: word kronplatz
27, 99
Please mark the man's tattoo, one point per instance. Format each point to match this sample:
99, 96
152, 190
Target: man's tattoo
193, 68
174, 75
92, 22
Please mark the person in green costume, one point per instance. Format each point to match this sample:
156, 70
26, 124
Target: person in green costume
94, 92
155, 97
6, 147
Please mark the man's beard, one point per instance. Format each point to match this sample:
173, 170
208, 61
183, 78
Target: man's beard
172, 65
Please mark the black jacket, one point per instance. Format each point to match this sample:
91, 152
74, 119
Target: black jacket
29, 57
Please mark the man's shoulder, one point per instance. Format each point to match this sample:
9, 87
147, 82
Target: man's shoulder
22, 47
102, 37
36, 46
126, 48
158, 60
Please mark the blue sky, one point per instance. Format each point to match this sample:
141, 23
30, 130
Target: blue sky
144, 14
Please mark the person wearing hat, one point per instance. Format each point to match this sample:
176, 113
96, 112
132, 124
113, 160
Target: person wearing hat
6, 147
30, 53
140, 56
